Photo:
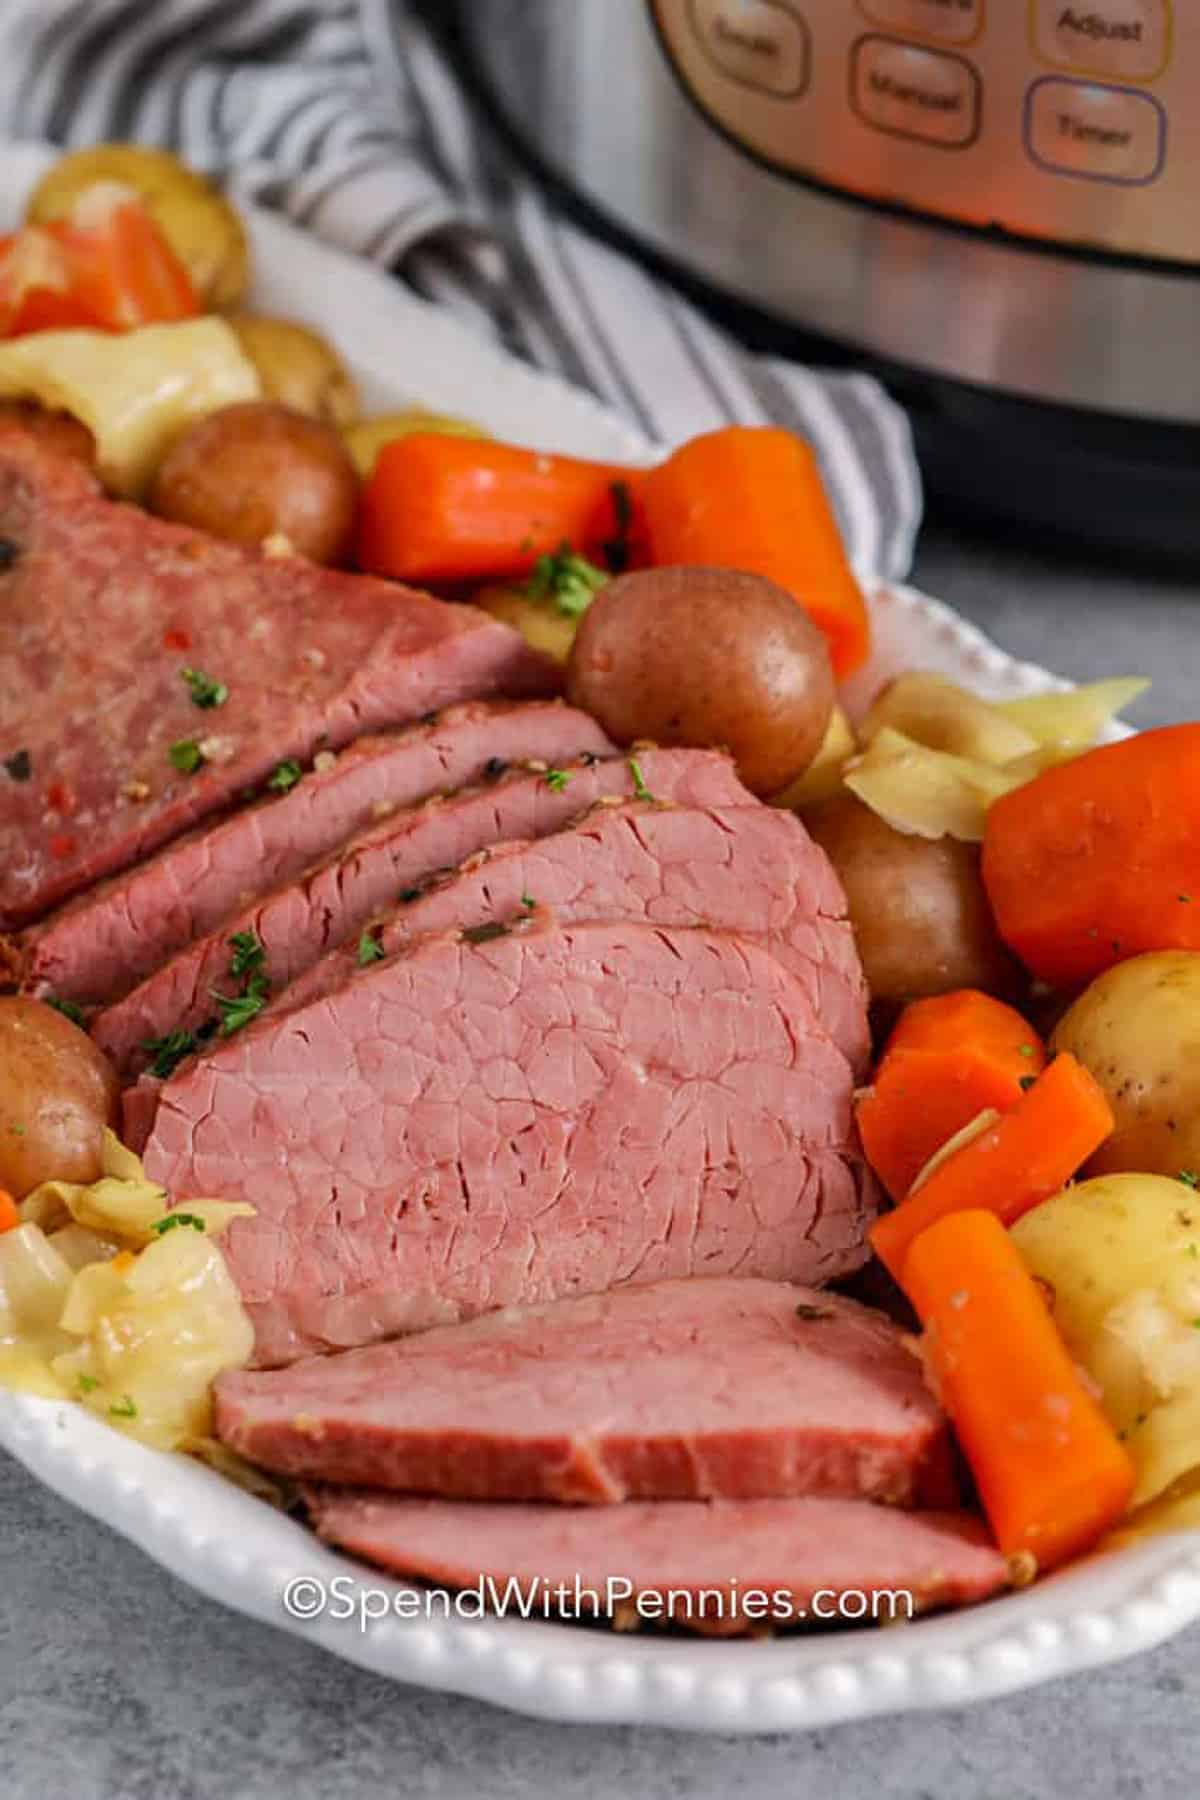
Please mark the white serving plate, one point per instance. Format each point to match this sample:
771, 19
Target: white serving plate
241, 1553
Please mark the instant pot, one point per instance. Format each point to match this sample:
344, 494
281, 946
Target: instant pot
994, 202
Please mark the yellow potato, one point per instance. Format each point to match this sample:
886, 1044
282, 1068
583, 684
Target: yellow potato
823, 776
298, 368
1120, 1256
942, 716
366, 439
1137, 1029
200, 225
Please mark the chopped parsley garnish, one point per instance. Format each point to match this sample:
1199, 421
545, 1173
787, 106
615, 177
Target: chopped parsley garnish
567, 579
176, 1221
1025, 1050
640, 790
123, 1408
206, 693
19, 765
616, 549
285, 777
370, 950
186, 756
1189, 1177
483, 934
557, 779
248, 964
237, 1010
248, 953
69, 1010
166, 1053
88, 1384
528, 901
1026, 1082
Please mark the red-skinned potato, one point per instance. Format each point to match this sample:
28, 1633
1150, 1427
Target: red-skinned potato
57, 1093
257, 471
918, 907
706, 657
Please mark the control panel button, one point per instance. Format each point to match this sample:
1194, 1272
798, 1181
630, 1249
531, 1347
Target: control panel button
928, 95
762, 44
953, 21
1097, 133
1130, 39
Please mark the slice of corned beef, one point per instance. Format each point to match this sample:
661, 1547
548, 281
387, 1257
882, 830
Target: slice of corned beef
101, 944
693, 1562
751, 869
105, 608
681, 1390
552, 1111
332, 903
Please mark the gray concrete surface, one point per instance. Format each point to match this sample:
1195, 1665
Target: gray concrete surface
116, 1683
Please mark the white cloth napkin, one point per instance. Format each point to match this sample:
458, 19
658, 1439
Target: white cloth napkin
345, 114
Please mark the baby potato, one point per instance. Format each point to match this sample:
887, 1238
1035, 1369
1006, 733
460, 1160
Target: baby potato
1137, 1029
920, 915
258, 471
1120, 1259
367, 437
200, 225
711, 658
59, 431
57, 1093
298, 368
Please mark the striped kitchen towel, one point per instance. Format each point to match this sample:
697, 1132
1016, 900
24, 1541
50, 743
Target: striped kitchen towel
346, 115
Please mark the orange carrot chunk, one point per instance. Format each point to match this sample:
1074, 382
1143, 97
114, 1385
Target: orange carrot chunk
9, 1216
751, 497
451, 509
949, 1059
1099, 859
1016, 1163
123, 271
1051, 1472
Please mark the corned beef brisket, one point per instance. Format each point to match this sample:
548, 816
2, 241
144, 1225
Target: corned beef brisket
98, 946
105, 608
555, 1110
679, 1390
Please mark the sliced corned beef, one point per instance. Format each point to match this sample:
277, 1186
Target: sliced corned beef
100, 945
105, 609
296, 924
477, 1124
747, 868
701, 1559
680, 1390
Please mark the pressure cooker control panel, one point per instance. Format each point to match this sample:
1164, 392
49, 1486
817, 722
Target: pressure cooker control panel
1072, 122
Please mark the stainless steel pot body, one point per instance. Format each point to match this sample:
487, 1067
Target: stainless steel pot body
1004, 192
